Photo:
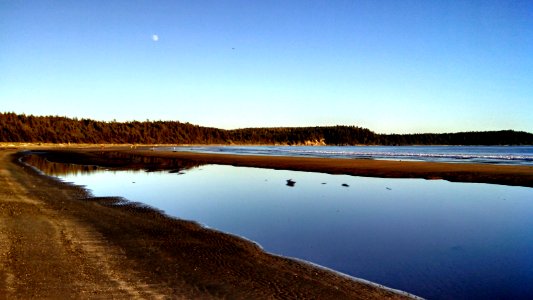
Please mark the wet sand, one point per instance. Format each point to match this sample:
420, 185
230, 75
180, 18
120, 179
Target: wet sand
58, 242
456, 172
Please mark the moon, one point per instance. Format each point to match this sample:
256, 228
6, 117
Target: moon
155, 37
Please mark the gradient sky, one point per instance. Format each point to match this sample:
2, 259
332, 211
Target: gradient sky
391, 66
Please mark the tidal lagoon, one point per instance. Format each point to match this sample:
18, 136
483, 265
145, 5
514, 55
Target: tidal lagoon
432, 238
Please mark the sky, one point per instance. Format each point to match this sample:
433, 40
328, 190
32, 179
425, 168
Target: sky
390, 66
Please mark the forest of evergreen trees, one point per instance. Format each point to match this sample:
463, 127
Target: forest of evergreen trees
53, 129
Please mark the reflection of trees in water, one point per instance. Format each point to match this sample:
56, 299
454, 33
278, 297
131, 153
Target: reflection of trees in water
129, 161
150, 163
57, 169
115, 160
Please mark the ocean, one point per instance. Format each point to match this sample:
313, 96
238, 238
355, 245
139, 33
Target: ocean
509, 155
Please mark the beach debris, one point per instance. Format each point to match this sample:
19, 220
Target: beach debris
388, 188
291, 182
345, 185
324, 183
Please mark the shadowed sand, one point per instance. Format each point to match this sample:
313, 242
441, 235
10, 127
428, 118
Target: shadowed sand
58, 242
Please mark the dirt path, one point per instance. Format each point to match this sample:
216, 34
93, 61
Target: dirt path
57, 243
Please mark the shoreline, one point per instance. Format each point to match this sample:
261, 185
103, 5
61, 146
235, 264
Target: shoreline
130, 251
513, 175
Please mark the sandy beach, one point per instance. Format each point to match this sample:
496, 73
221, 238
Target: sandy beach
57, 242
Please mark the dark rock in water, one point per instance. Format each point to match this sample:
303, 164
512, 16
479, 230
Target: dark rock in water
345, 184
176, 171
323, 183
388, 188
290, 182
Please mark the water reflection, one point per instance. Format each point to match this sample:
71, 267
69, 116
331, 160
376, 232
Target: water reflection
58, 169
131, 161
116, 161
436, 239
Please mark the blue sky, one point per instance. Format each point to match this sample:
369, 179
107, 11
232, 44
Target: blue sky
391, 66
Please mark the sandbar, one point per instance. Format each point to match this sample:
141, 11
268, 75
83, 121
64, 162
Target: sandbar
515, 175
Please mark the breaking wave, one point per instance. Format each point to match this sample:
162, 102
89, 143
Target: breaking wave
515, 155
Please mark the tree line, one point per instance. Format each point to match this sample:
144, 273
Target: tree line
54, 129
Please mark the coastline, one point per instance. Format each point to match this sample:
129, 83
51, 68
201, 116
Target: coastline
514, 175
130, 251
456, 172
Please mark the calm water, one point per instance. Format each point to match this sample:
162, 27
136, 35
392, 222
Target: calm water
521, 155
436, 239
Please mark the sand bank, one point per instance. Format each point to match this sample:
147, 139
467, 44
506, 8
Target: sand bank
457, 172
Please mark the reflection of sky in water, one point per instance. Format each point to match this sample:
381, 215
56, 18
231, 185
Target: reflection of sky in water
433, 238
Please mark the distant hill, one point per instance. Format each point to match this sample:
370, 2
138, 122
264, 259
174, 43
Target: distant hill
53, 129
